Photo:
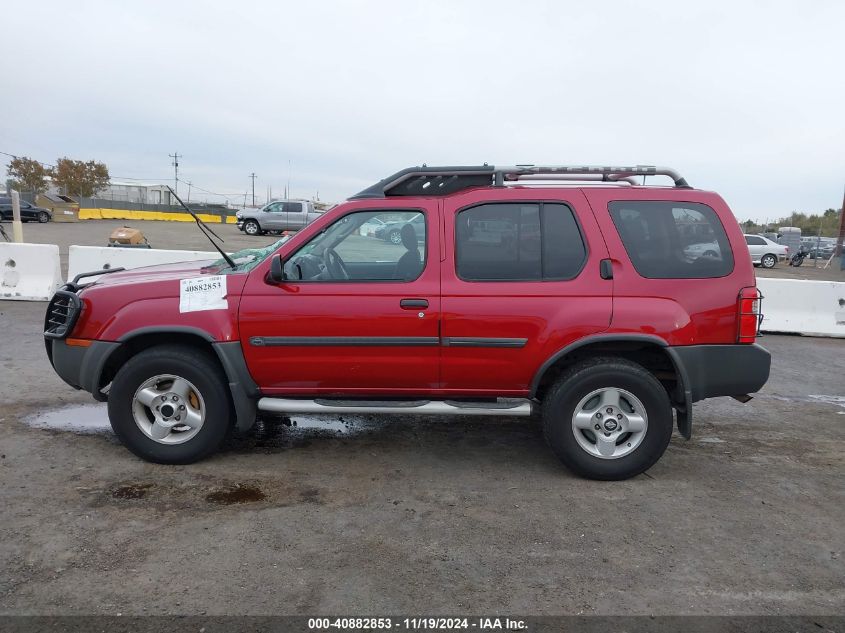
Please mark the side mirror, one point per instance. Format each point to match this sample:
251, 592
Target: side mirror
277, 270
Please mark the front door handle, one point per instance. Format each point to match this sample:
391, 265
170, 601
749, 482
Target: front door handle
413, 304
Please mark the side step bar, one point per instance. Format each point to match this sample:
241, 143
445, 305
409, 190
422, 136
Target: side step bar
509, 407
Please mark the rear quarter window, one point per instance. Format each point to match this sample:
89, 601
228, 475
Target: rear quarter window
673, 240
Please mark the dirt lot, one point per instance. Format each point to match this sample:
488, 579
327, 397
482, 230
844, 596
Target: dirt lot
402, 514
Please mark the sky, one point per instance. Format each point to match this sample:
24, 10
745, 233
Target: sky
743, 98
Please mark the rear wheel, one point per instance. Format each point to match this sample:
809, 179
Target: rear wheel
170, 405
607, 418
768, 261
251, 227
43, 217
394, 237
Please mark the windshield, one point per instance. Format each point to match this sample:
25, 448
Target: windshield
249, 258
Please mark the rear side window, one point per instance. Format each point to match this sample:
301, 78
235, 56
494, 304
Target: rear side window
754, 241
518, 242
673, 240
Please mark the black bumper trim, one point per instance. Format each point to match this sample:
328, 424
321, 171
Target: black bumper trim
722, 370
81, 367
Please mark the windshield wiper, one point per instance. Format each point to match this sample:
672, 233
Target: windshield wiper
206, 230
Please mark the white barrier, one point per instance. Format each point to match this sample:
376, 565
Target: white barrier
813, 308
30, 272
84, 259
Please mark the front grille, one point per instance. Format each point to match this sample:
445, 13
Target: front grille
62, 313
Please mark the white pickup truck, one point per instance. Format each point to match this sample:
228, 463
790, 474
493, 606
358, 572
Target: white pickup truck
277, 216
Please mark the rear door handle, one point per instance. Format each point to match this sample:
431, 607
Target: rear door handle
413, 304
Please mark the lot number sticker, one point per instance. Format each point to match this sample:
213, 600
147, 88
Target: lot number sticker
203, 293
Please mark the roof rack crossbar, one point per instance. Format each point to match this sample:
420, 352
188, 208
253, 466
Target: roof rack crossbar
444, 180
610, 178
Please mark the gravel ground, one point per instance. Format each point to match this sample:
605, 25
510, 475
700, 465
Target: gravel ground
420, 515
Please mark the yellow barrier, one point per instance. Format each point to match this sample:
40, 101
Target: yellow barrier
126, 214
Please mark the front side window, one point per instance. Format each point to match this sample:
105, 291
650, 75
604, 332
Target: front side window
391, 247
518, 242
276, 207
673, 240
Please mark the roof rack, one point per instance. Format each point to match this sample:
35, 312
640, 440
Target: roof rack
441, 181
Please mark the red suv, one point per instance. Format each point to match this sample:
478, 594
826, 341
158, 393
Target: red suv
572, 292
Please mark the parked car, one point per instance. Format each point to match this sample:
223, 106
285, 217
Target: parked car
764, 252
277, 216
29, 212
392, 231
371, 227
818, 248
576, 303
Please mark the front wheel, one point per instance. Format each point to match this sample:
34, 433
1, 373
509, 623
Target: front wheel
170, 405
608, 418
394, 237
43, 217
768, 261
251, 228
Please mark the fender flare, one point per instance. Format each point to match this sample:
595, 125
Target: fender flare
684, 412
243, 388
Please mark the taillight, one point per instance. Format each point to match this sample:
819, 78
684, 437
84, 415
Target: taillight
748, 314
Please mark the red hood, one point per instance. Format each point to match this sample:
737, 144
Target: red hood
120, 303
161, 272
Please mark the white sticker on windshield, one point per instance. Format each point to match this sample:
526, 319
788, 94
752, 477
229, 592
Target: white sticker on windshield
203, 293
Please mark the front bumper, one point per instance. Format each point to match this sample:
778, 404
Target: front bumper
722, 370
80, 367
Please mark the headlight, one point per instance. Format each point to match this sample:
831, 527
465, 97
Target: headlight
239, 216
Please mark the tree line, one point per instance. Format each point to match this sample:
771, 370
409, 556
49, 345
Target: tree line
72, 177
825, 224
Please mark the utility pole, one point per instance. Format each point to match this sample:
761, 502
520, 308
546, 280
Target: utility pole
175, 156
189, 190
841, 237
252, 175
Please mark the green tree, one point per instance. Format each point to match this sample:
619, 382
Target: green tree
28, 175
80, 178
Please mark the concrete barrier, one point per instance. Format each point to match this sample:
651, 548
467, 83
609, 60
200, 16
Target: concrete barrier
84, 259
132, 214
812, 308
30, 272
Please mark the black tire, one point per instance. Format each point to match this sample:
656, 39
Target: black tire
251, 227
43, 217
196, 366
394, 237
586, 377
768, 260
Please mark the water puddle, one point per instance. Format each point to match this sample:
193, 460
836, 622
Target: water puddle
838, 401
78, 418
94, 418
347, 424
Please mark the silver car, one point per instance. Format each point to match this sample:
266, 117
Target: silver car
277, 216
764, 252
